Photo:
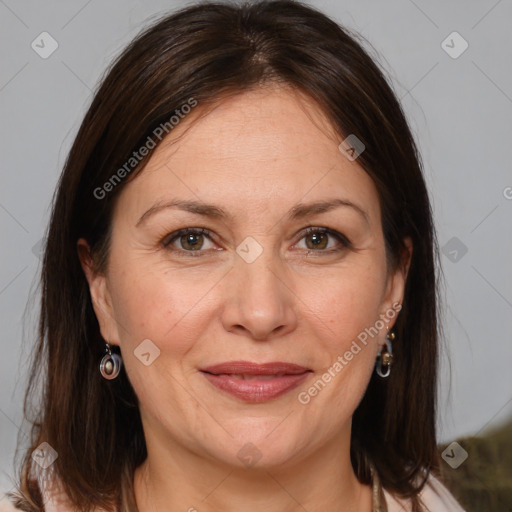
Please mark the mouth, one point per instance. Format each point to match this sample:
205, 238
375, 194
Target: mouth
243, 376
251, 382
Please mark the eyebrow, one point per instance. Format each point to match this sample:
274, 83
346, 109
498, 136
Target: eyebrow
299, 211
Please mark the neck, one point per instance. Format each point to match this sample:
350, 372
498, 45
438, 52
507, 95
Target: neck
173, 478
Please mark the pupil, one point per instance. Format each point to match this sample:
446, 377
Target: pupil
191, 240
317, 239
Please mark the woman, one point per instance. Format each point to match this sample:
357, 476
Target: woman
239, 305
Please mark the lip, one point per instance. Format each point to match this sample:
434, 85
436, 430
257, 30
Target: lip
248, 368
230, 377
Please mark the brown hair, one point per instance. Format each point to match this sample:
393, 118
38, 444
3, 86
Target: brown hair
207, 51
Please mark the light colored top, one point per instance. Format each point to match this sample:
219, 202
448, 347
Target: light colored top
435, 497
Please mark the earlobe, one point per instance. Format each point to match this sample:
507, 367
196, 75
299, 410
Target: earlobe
98, 290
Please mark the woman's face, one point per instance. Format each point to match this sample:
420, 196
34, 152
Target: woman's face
256, 287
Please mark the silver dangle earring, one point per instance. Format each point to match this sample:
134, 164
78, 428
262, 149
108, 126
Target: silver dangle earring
110, 364
385, 359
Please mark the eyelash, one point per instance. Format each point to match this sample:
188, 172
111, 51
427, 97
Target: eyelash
169, 239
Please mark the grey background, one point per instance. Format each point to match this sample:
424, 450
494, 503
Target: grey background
460, 111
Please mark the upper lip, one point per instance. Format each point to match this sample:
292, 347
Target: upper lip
248, 368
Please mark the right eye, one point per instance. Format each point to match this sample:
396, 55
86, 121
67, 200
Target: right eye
191, 240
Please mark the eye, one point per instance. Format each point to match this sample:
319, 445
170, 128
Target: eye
188, 240
317, 240
192, 240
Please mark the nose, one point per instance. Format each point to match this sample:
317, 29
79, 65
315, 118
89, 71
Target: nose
260, 304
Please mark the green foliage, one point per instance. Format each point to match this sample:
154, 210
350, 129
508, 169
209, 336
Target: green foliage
483, 482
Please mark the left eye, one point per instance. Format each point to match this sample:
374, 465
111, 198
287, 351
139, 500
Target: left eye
317, 239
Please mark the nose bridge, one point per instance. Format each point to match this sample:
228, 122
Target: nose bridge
261, 278
261, 303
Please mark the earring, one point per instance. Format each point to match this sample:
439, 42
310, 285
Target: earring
110, 364
385, 360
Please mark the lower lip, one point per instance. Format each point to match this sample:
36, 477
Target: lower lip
256, 390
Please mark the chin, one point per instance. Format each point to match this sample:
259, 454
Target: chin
259, 450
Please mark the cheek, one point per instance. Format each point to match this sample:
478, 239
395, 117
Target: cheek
343, 320
344, 316
155, 303
162, 307
345, 302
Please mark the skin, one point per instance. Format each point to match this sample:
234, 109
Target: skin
256, 156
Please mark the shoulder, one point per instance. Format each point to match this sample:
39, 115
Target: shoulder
435, 497
7, 506
53, 495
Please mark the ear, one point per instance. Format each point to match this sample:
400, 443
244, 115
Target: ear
395, 288
100, 295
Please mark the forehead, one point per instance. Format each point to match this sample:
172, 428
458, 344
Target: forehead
253, 152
